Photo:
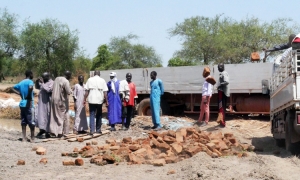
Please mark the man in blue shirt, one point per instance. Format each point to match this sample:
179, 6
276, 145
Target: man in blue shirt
25, 89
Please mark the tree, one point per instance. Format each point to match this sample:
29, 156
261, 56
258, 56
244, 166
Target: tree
128, 55
176, 61
222, 39
103, 59
49, 46
9, 38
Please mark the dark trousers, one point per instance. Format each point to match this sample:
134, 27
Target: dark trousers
222, 100
26, 117
127, 113
95, 109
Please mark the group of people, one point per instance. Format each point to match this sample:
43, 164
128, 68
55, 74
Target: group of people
52, 111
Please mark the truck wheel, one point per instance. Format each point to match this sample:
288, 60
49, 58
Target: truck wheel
287, 132
280, 142
144, 108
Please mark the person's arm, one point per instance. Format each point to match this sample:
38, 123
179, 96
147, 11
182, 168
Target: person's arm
75, 94
134, 94
278, 47
48, 86
105, 97
87, 92
225, 79
161, 85
16, 89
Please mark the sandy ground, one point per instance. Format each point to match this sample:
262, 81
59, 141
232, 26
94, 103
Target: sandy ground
271, 163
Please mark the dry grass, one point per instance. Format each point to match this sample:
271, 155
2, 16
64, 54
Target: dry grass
10, 113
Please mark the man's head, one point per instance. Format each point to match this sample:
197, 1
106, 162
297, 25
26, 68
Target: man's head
80, 79
46, 76
291, 37
97, 73
112, 75
128, 77
153, 75
221, 67
29, 74
68, 75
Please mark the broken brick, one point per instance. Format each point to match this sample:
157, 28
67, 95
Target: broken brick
211, 146
127, 140
171, 133
228, 135
68, 163
94, 142
171, 172
113, 148
140, 151
179, 137
80, 139
110, 141
159, 162
134, 147
171, 159
176, 147
75, 150
41, 151
79, 162
44, 161
21, 162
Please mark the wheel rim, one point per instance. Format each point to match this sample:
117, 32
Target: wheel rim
147, 111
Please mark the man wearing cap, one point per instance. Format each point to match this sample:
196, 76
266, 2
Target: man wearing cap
96, 89
114, 101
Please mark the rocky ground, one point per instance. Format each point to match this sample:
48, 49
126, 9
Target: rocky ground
266, 162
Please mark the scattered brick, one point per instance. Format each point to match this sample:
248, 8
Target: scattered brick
21, 162
171, 172
94, 142
75, 150
41, 151
79, 162
159, 162
68, 163
44, 161
127, 140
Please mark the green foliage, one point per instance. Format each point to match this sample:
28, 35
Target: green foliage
9, 38
103, 59
176, 61
222, 39
49, 46
128, 55
82, 64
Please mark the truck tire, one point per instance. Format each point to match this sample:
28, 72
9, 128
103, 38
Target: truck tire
287, 131
280, 142
144, 108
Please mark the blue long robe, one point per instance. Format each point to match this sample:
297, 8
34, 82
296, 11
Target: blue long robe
157, 89
114, 104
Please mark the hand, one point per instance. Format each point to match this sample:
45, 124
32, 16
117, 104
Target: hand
41, 80
205, 101
84, 102
107, 103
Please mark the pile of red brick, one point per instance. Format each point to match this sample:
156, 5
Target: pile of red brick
161, 148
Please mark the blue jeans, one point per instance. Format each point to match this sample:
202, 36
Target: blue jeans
95, 109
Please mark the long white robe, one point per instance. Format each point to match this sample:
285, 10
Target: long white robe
59, 119
43, 108
80, 123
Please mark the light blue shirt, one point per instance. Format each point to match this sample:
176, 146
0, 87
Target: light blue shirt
23, 88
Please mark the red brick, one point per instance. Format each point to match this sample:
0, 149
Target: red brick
222, 146
21, 162
93, 159
156, 151
172, 133
44, 160
171, 172
134, 147
192, 150
228, 135
179, 136
80, 139
155, 134
109, 158
232, 140
177, 148
88, 143
113, 148
41, 151
127, 140
110, 141
75, 150
88, 153
64, 154
211, 146
68, 163
217, 152
86, 148
79, 162
162, 155
171, 159
163, 146
159, 162
190, 131
140, 151
160, 139
169, 139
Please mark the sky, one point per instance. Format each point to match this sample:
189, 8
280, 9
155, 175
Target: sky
99, 20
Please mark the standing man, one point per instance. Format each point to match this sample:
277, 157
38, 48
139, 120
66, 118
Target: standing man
45, 85
96, 89
129, 105
25, 89
59, 119
80, 124
223, 93
157, 90
114, 101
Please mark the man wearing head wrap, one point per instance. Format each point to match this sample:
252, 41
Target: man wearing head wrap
223, 93
45, 85
114, 101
